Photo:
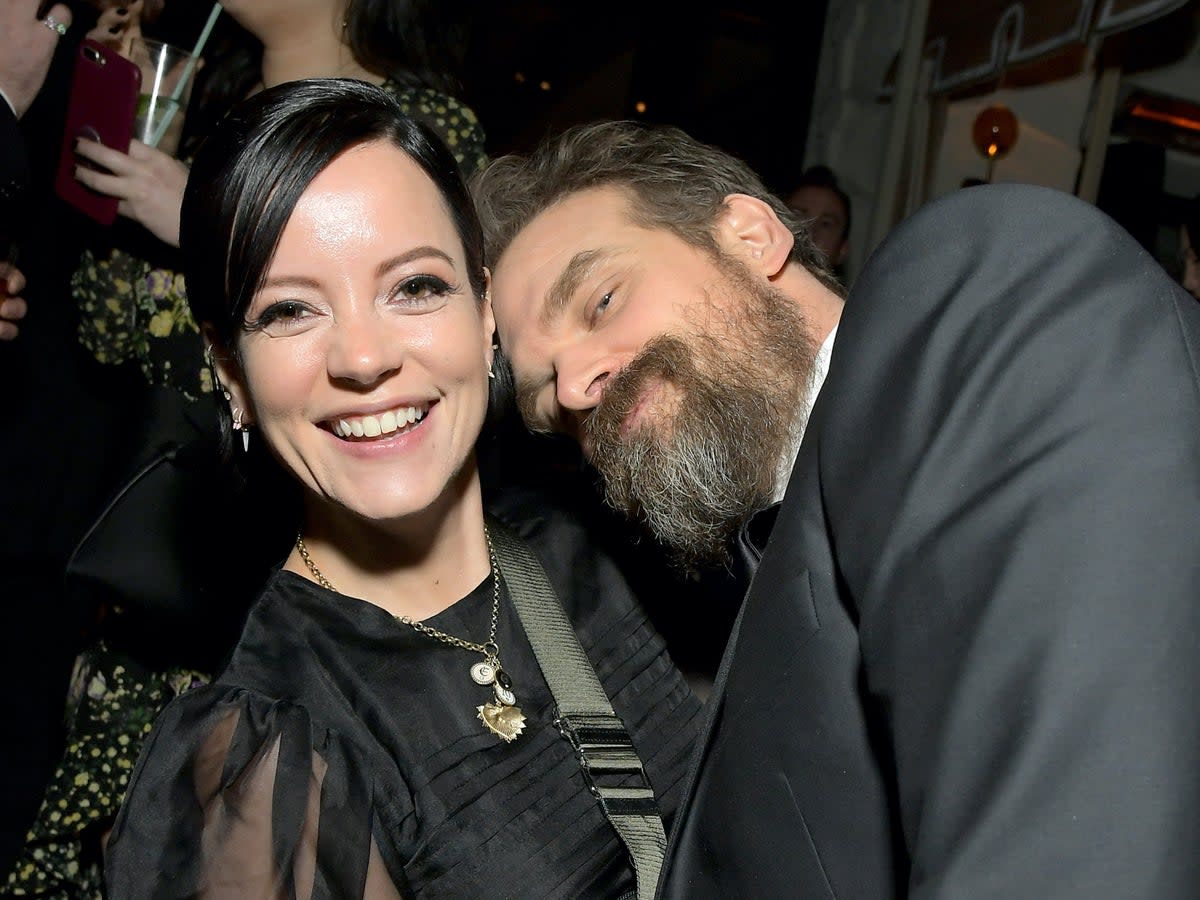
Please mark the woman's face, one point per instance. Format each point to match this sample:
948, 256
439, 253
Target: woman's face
365, 366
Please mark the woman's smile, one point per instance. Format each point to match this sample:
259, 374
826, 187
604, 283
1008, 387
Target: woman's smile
402, 420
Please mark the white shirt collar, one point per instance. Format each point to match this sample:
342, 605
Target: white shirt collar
820, 370
11, 105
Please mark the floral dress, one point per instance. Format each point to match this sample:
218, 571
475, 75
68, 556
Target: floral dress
135, 311
111, 707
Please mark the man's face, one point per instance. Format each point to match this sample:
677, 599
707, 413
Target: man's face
826, 217
679, 372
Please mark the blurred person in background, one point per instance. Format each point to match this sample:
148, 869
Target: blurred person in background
1189, 244
820, 201
29, 33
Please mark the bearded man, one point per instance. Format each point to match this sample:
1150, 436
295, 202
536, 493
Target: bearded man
964, 665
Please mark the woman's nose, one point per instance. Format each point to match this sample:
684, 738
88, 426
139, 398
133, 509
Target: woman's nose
363, 350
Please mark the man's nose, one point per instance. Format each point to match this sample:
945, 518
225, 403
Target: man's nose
580, 385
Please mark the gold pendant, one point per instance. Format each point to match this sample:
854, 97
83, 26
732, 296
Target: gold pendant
505, 721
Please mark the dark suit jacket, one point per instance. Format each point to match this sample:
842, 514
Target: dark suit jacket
967, 665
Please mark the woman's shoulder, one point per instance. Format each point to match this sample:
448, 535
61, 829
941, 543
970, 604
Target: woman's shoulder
191, 717
309, 647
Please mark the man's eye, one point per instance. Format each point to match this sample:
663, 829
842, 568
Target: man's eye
602, 304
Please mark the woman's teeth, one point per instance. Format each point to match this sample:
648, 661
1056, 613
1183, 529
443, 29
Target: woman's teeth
385, 423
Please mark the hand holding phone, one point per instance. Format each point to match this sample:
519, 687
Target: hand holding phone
104, 95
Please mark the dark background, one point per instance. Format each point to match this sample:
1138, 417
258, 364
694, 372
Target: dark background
739, 75
736, 74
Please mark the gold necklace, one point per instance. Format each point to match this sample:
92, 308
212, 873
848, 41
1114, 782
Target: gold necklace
501, 716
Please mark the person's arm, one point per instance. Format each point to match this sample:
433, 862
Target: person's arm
26, 46
1012, 481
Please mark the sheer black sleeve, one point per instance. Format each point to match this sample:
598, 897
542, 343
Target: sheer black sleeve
238, 796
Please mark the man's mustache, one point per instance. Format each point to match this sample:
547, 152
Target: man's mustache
663, 358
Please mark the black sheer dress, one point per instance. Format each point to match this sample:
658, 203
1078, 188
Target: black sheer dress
340, 753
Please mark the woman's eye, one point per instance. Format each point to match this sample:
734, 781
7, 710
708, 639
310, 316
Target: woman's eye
421, 290
283, 314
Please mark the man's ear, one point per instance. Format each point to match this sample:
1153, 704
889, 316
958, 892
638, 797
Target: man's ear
749, 230
489, 318
229, 374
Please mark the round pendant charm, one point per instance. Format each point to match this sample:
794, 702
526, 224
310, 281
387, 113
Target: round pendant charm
504, 695
483, 673
503, 680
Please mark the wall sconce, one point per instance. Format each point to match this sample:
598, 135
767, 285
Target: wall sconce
994, 133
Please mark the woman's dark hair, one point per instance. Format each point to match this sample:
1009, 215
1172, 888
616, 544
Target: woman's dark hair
411, 42
252, 170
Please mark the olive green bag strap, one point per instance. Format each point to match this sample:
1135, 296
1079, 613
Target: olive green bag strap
583, 713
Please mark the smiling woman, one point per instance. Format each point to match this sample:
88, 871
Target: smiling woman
367, 310
383, 727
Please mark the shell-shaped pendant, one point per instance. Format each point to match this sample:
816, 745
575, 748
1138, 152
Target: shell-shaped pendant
505, 721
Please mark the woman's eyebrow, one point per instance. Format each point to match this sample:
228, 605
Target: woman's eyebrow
400, 259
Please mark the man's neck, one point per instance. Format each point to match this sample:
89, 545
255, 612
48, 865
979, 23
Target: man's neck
803, 410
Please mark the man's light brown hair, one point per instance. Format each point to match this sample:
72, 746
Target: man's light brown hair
673, 181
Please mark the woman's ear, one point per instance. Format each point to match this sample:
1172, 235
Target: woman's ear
228, 373
749, 230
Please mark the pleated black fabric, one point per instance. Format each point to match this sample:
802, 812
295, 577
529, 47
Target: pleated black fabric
340, 754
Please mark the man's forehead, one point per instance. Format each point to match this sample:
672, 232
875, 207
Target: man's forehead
581, 216
584, 222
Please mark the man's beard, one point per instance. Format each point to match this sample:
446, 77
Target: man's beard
701, 465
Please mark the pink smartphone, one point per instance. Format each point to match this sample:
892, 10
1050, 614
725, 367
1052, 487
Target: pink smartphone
104, 96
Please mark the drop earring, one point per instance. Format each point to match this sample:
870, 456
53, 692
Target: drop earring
240, 425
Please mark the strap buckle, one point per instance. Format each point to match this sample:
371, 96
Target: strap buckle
611, 767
